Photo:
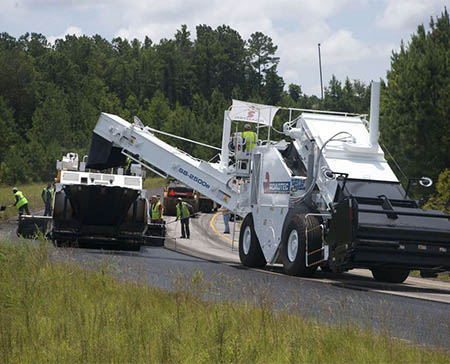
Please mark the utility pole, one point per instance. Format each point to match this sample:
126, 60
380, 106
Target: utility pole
320, 70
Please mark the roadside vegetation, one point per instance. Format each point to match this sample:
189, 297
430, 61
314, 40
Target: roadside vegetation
59, 312
445, 277
153, 182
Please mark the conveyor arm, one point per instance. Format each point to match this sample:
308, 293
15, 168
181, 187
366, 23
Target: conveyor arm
114, 134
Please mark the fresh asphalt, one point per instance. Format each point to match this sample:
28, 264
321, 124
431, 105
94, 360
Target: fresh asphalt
402, 311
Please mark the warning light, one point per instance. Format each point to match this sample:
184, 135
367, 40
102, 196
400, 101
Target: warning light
171, 192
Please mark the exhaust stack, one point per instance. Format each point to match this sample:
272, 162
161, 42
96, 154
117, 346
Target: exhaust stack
374, 113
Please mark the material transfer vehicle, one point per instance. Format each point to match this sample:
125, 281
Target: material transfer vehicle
323, 196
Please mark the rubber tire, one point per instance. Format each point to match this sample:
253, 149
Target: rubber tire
254, 258
391, 275
297, 267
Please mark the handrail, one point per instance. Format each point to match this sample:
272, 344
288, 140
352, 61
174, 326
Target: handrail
181, 138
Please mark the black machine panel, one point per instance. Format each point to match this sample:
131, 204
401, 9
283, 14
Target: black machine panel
103, 155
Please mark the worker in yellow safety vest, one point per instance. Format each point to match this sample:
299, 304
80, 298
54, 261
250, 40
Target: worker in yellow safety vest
48, 195
157, 210
249, 137
21, 202
183, 213
128, 167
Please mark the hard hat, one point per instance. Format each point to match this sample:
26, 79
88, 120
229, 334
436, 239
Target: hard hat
15, 189
179, 199
154, 196
247, 127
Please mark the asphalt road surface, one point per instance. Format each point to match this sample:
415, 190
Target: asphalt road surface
416, 311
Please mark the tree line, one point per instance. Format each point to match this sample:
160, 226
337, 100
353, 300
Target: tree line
51, 95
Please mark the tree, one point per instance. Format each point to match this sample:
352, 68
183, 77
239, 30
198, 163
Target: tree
416, 103
14, 167
207, 50
273, 89
262, 52
51, 96
17, 84
333, 99
168, 62
51, 120
8, 132
441, 200
185, 73
295, 91
158, 111
230, 60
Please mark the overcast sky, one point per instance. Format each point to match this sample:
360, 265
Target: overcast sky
356, 36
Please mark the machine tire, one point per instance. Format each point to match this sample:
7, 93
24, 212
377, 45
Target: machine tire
391, 275
293, 246
250, 251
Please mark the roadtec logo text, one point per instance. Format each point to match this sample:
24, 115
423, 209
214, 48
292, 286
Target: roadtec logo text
194, 178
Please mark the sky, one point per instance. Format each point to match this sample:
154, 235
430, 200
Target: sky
357, 37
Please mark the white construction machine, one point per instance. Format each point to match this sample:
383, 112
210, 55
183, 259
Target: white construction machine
325, 196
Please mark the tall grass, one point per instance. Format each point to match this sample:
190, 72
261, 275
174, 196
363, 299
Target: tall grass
58, 312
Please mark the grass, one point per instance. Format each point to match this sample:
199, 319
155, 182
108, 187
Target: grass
444, 277
32, 192
153, 182
59, 312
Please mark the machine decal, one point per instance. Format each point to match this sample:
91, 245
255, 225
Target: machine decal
297, 184
276, 187
223, 196
194, 178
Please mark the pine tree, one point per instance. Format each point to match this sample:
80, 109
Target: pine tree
416, 103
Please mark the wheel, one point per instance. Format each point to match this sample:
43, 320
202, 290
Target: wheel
250, 251
293, 247
391, 275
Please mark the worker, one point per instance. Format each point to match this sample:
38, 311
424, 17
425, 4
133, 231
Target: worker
21, 202
47, 195
183, 213
250, 138
128, 167
226, 219
157, 210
